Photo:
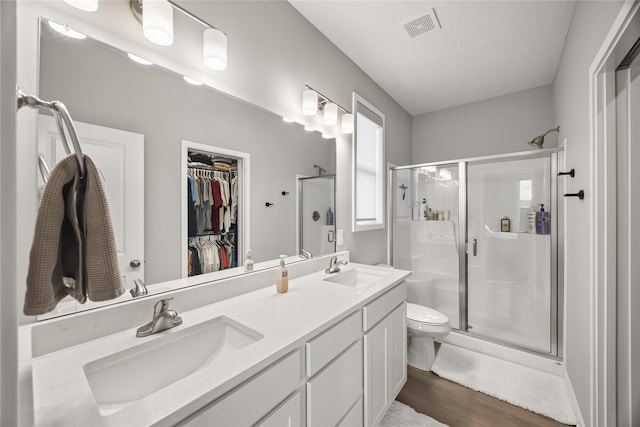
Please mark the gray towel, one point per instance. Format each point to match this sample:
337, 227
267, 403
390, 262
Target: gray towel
74, 249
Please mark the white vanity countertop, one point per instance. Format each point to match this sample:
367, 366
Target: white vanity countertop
62, 395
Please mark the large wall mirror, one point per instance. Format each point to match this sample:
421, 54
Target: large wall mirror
105, 90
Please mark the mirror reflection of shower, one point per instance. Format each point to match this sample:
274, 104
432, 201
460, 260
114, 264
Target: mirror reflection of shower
316, 214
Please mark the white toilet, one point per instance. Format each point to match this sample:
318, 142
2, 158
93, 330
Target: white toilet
424, 324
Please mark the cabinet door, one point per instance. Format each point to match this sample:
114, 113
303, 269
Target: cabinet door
397, 340
385, 354
375, 374
289, 414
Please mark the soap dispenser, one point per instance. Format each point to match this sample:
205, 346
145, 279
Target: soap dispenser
248, 263
282, 277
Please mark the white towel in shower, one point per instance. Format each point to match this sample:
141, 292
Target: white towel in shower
73, 250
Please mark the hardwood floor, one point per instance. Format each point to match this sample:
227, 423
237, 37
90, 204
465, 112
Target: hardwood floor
458, 406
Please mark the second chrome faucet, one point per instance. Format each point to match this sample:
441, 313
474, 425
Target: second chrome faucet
163, 318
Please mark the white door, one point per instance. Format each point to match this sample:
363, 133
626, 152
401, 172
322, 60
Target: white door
120, 157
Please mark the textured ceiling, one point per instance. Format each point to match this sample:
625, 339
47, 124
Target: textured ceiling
484, 49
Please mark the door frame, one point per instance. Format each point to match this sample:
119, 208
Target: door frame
604, 286
244, 162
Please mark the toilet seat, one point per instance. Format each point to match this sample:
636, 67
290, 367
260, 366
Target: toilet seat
419, 314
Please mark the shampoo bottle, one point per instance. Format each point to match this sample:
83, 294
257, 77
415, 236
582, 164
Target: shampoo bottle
248, 263
282, 277
424, 208
543, 221
329, 217
505, 224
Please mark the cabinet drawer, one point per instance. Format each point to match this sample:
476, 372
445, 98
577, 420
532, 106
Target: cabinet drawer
377, 309
355, 416
333, 391
288, 414
255, 398
326, 346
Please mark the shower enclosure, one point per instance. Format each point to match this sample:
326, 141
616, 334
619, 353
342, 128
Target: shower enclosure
467, 230
316, 213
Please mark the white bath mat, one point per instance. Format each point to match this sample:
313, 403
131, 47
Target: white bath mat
401, 415
528, 388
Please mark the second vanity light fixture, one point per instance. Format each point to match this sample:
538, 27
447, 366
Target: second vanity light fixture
156, 17
313, 103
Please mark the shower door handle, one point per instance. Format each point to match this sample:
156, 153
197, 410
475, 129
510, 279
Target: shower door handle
475, 247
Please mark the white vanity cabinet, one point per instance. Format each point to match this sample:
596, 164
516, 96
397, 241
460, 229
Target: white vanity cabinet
385, 352
266, 398
334, 367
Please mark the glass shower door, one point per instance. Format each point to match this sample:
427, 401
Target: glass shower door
509, 286
426, 235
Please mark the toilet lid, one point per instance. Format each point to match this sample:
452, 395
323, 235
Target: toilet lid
424, 314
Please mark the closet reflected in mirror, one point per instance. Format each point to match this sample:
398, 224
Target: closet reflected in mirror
105, 90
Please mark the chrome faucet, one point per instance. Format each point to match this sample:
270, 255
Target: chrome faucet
139, 290
334, 265
163, 319
305, 254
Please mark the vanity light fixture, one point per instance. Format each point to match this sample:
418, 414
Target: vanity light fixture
326, 135
313, 103
157, 22
139, 60
86, 5
309, 102
65, 30
156, 17
308, 128
330, 116
215, 49
192, 81
346, 123
287, 119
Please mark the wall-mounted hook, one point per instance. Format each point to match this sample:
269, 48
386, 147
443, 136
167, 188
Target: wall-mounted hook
579, 195
268, 204
285, 193
571, 173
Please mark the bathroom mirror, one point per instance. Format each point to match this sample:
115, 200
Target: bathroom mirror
102, 87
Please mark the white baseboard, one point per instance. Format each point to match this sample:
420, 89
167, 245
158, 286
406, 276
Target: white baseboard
574, 400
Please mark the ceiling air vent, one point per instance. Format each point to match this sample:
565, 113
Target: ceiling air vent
422, 25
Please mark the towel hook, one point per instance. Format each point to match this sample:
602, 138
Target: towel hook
62, 119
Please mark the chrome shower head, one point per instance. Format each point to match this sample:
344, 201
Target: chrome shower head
539, 140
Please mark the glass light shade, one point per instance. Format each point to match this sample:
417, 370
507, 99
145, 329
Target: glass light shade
139, 60
86, 5
309, 102
215, 49
66, 31
346, 123
157, 21
330, 114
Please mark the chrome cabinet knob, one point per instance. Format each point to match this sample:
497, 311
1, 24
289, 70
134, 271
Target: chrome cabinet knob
134, 263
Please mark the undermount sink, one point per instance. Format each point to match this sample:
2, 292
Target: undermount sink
358, 277
122, 378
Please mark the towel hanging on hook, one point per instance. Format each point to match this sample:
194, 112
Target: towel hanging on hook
62, 119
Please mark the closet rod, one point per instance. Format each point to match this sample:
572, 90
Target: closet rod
62, 118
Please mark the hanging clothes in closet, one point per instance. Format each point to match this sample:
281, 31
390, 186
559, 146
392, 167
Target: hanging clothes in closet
212, 206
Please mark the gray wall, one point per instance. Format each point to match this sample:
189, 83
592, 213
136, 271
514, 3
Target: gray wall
494, 126
590, 24
161, 106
